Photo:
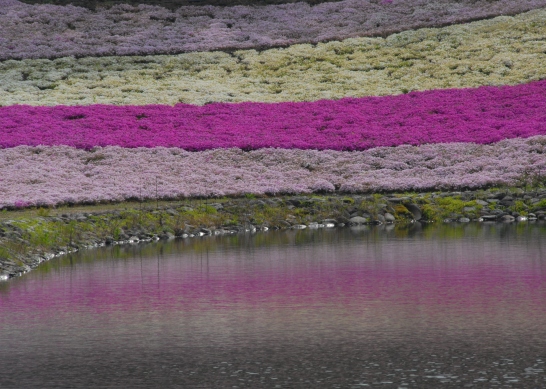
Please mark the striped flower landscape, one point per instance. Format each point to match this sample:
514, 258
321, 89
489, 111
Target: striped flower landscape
363, 96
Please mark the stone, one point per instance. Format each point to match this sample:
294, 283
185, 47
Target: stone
299, 227
497, 212
415, 211
482, 203
389, 218
398, 200
507, 219
358, 220
329, 221
489, 217
464, 220
498, 195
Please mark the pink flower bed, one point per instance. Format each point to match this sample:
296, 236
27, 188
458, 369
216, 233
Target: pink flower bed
48, 31
482, 115
62, 174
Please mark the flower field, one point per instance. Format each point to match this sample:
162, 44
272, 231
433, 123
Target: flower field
47, 31
483, 115
499, 51
362, 96
60, 174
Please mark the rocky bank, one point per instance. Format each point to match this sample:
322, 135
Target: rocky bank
26, 241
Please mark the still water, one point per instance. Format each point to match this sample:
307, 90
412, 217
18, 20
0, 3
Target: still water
418, 307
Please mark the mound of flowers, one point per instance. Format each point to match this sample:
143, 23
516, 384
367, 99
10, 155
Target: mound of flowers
61, 174
482, 115
49, 31
500, 51
455, 106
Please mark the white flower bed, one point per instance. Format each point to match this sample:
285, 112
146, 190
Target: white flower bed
61, 174
500, 51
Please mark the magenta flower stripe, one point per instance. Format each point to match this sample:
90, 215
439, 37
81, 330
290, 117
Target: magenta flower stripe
482, 115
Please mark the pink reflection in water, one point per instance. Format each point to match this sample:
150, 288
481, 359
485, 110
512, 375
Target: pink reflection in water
354, 277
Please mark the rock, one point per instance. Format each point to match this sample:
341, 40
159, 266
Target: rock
498, 195
507, 219
464, 220
205, 231
415, 211
497, 212
482, 203
172, 212
380, 218
358, 220
469, 209
521, 218
299, 227
398, 200
489, 217
329, 221
389, 218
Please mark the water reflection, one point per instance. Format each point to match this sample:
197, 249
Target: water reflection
412, 307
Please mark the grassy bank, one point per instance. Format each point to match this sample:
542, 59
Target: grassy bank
31, 236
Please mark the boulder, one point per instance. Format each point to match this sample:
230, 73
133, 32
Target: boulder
389, 218
358, 220
415, 211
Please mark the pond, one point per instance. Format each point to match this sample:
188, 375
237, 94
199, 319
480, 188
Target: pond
423, 306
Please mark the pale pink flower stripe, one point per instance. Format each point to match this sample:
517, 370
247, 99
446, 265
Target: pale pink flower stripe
49, 31
62, 174
481, 115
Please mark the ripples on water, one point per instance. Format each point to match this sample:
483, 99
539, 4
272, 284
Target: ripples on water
441, 306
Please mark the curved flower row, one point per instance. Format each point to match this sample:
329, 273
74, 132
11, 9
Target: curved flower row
78, 151
61, 174
501, 51
48, 31
482, 115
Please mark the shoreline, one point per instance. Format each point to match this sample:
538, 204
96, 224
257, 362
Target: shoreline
29, 237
